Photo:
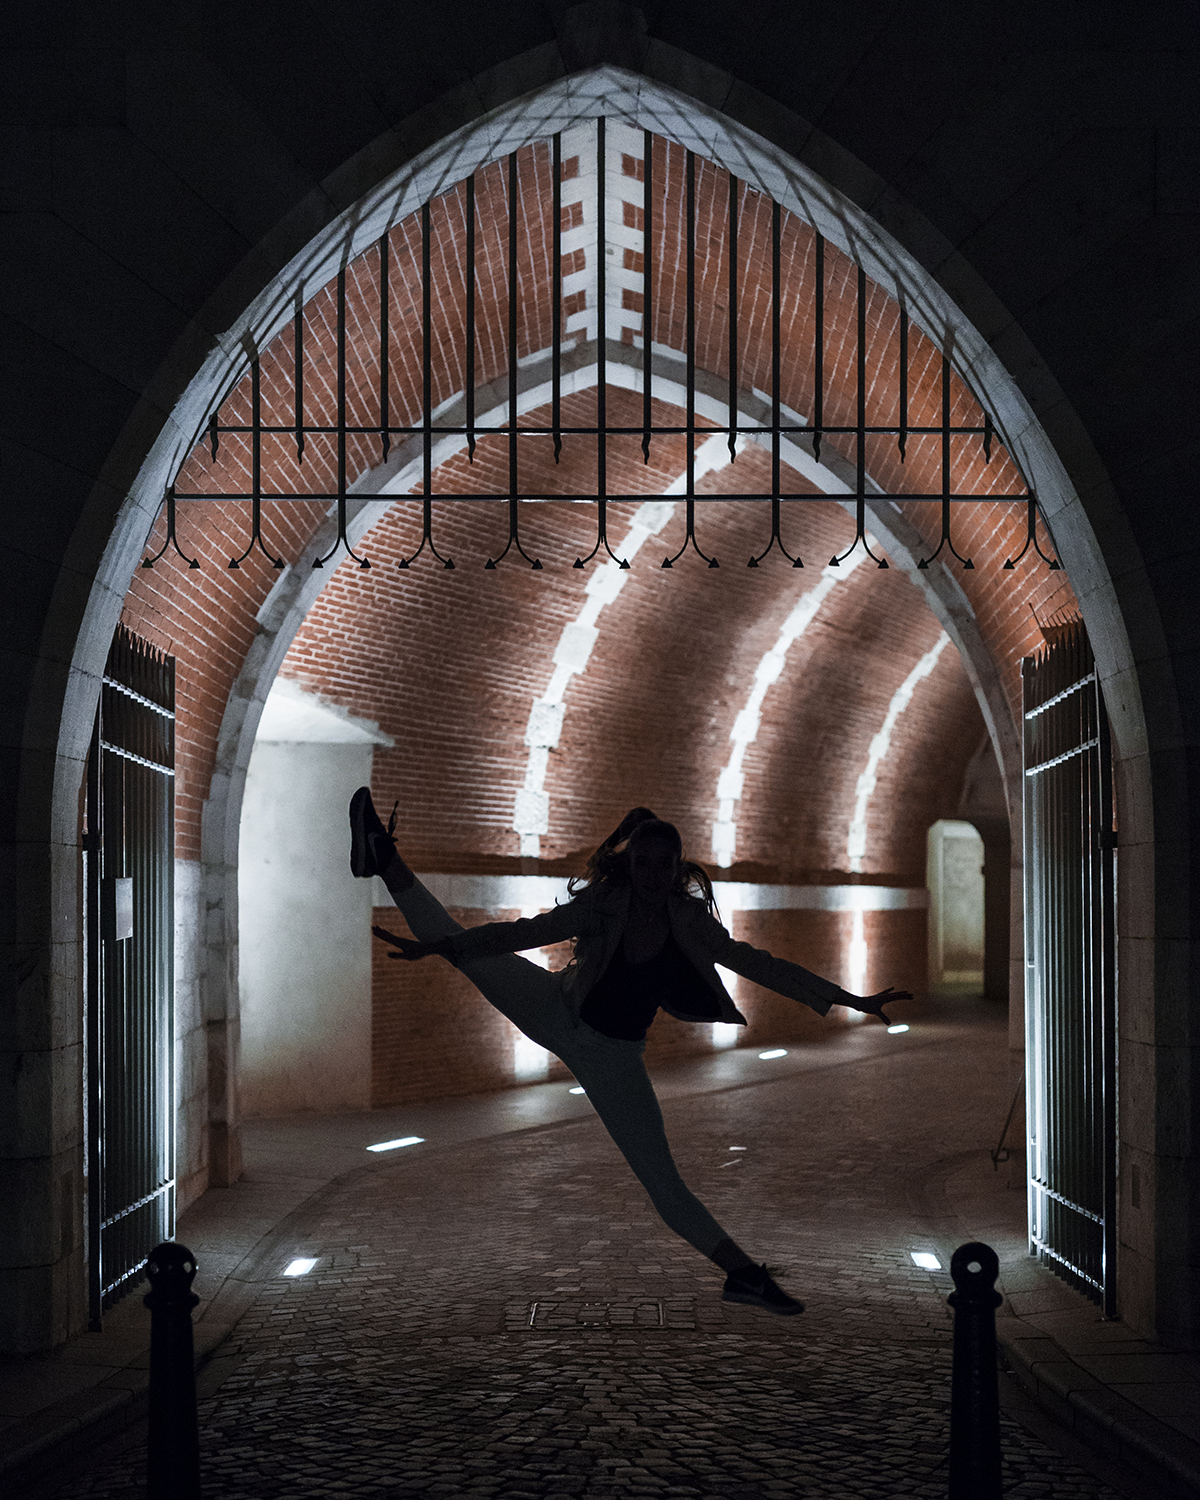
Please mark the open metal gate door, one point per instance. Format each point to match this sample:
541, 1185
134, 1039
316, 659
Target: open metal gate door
1070, 969
129, 854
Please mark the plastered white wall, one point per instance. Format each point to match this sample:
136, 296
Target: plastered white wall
304, 921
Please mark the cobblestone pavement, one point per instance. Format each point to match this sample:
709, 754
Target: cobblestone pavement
507, 1317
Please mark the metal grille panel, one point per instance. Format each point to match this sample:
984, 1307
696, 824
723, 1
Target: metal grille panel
1070, 966
129, 852
304, 419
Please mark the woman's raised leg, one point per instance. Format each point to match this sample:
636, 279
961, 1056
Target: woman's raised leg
526, 994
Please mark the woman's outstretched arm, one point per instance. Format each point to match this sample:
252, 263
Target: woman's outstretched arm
491, 939
792, 980
872, 1005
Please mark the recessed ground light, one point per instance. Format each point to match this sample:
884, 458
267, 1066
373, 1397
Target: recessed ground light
737, 1148
299, 1267
577, 1090
926, 1261
405, 1140
897, 1028
775, 1052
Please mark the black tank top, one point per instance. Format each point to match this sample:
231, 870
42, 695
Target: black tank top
626, 996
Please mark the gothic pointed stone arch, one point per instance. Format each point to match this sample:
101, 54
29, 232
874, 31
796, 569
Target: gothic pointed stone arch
781, 153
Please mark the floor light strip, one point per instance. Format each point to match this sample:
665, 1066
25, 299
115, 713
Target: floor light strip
405, 1140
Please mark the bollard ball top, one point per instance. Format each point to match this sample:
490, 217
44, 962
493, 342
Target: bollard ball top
974, 1268
171, 1269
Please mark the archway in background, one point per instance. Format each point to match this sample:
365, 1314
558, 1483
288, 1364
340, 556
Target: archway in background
956, 904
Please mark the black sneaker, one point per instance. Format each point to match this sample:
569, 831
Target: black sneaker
756, 1288
371, 844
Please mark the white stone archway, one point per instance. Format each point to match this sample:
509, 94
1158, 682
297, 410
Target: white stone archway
798, 187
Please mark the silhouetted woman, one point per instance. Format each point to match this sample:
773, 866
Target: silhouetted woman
645, 938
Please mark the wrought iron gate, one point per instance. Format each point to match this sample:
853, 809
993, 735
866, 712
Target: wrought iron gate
1070, 983
296, 430
129, 854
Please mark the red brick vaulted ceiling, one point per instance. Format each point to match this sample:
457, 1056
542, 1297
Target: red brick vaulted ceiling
451, 663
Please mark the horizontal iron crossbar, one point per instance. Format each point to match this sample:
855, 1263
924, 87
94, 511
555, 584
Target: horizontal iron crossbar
868, 499
133, 1272
128, 692
130, 1208
1059, 759
1060, 697
1058, 1197
1062, 1260
140, 760
480, 430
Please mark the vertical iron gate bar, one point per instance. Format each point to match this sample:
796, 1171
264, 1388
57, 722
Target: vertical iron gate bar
426, 378
775, 538
255, 473
556, 297
298, 375
819, 350
1090, 793
166, 889
513, 486
385, 419
690, 313
171, 539
647, 289
601, 240
470, 412
947, 457
733, 316
255, 452
1108, 938
945, 453
903, 436
860, 412
776, 229
690, 341
343, 539
1034, 1046
94, 1033
341, 401
427, 389
860, 433
945, 540
601, 326
514, 538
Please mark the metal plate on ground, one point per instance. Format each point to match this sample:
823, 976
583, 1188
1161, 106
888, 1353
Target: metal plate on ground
562, 1314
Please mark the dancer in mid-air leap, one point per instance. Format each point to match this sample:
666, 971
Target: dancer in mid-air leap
645, 938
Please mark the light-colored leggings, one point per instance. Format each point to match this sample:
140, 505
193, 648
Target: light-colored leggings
610, 1070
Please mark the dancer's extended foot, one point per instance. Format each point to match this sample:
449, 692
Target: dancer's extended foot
756, 1288
372, 847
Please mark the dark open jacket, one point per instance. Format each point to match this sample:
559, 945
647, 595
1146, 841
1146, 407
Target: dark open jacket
596, 920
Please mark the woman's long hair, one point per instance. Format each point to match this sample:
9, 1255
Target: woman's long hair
609, 865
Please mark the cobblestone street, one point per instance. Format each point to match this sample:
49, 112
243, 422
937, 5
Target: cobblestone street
506, 1317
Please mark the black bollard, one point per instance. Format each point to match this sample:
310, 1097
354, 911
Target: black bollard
974, 1389
173, 1439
